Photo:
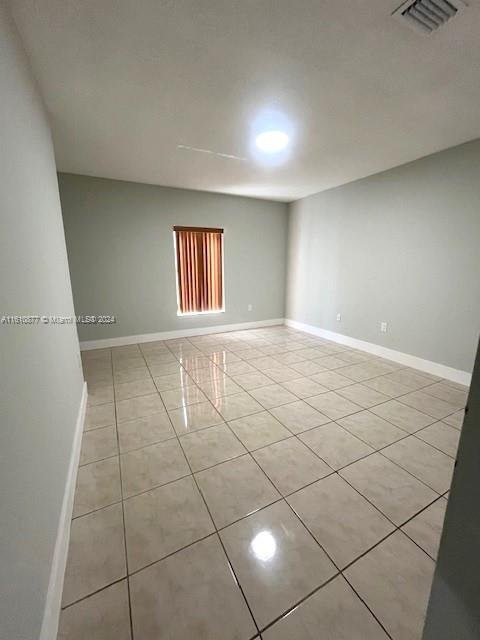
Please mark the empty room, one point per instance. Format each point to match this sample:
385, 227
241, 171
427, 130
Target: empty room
239, 320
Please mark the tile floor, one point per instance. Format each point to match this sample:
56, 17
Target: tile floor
257, 484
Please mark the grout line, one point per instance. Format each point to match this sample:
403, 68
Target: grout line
150, 444
301, 601
433, 445
169, 555
94, 593
123, 514
366, 605
123, 508
97, 509
86, 464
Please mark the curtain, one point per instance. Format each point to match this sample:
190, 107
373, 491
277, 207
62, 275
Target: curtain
199, 269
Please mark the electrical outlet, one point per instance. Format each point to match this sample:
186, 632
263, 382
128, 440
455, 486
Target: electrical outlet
383, 327
250, 307
339, 317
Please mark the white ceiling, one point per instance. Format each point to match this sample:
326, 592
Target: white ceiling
126, 81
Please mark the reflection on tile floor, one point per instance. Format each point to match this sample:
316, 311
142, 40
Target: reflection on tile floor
257, 484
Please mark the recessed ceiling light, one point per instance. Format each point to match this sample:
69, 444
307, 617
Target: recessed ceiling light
272, 141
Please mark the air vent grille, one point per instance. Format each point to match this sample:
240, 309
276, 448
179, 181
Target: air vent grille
428, 15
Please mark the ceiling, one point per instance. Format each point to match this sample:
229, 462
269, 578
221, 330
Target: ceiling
128, 81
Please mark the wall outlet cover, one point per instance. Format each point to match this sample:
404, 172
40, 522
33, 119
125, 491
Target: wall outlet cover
383, 327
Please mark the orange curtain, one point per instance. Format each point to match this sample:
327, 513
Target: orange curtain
199, 266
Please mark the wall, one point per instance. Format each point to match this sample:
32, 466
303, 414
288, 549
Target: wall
454, 607
120, 247
41, 381
400, 246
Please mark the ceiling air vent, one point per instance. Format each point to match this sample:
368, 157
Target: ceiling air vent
428, 15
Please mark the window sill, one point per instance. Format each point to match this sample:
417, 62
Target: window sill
199, 313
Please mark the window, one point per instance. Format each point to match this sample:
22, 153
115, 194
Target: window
199, 259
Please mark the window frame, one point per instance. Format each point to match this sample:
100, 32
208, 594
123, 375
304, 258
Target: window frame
182, 314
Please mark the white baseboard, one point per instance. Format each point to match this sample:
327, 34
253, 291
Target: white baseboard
179, 333
435, 368
53, 602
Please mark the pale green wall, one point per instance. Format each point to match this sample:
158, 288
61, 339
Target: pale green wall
402, 246
41, 379
120, 247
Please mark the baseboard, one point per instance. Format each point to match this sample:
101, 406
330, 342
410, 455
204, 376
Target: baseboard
435, 368
179, 333
53, 602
